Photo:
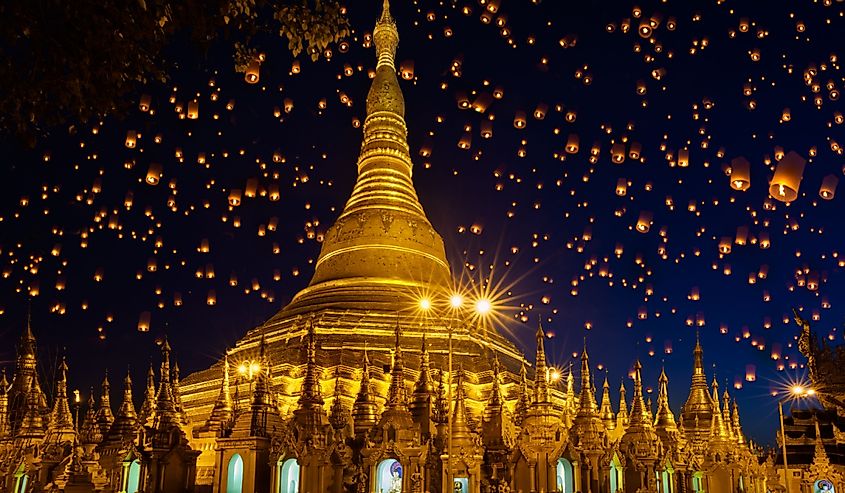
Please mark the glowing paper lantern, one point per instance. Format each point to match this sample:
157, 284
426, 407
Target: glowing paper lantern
750, 373
144, 322
519, 119
131, 139
740, 174
193, 110
787, 179
153, 174
644, 222
621, 187
828, 188
253, 72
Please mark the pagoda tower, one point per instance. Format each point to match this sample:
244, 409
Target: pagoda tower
378, 259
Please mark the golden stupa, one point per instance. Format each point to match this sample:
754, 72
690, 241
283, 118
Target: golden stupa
381, 256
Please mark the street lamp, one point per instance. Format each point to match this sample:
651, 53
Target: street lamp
795, 392
482, 308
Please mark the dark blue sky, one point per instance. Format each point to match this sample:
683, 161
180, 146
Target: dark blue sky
547, 223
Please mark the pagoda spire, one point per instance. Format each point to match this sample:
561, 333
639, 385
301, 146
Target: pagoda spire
165, 408
698, 402
397, 397
541, 372
104, 414
222, 412
718, 432
638, 411
441, 403
495, 404
726, 413
587, 398
312, 394
4, 405
740, 438
148, 406
523, 401
177, 393
364, 410
606, 410
339, 415
622, 415
126, 421
90, 433
570, 406
665, 419
383, 218
261, 397
61, 427
461, 431
424, 387
32, 425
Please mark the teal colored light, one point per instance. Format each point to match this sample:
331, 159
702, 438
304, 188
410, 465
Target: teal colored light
134, 477
289, 476
235, 478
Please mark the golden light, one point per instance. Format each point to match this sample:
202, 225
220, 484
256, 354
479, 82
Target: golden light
242, 369
254, 368
425, 304
456, 300
76, 396
555, 375
483, 306
798, 390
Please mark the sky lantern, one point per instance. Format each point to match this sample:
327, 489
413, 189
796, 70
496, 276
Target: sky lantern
144, 322
193, 109
144, 103
253, 74
617, 153
784, 185
519, 119
644, 222
572, 144
740, 174
621, 187
750, 373
131, 139
153, 174
828, 188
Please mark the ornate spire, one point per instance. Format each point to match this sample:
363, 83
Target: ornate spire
339, 415
441, 403
606, 410
312, 394
382, 233
177, 394
638, 411
461, 431
718, 432
5, 427
495, 403
261, 396
699, 401
570, 406
32, 426
125, 425
740, 438
523, 401
222, 412
61, 427
165, 409
622, 415
397, 394
149, 405
424, 387
104, 414
90, 432
364, 410
726, 413
541, 372
587, 398
665, 420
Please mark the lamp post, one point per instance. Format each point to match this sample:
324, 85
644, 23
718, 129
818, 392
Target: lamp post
482, 307
796, 391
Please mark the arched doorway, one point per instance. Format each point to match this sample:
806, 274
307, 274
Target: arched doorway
823, 486
289, 476
698, 481
389, 476
564, 476
235, 475
616, 475
667, 479
133, 476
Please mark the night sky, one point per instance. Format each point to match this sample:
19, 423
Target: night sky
560, 241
